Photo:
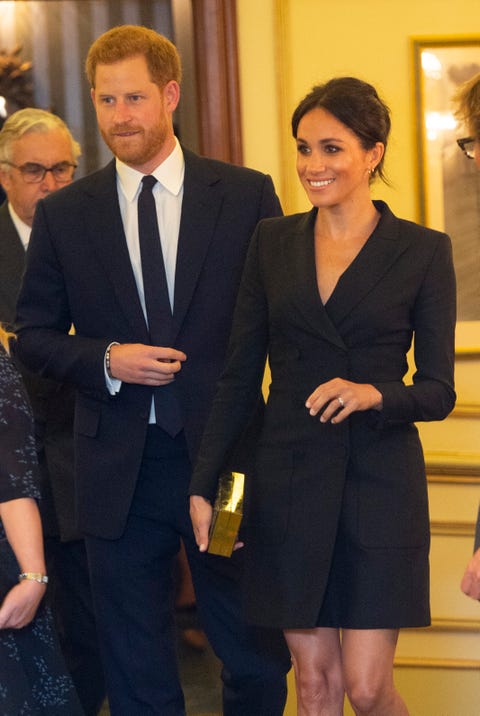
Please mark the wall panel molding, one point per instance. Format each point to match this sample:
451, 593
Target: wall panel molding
452, 464
440, 624
430, 663
452, 529
466, 410
450, 479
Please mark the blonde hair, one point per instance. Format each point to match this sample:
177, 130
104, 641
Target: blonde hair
467, 99
5, 337
29, 120
123, 41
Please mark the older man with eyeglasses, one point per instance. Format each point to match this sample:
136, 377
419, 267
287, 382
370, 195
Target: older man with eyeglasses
38, 155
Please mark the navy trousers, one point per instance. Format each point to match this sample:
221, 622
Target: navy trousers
132, 582
70, 598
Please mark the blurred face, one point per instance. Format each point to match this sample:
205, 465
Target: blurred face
332, 165
134, 115
45, 148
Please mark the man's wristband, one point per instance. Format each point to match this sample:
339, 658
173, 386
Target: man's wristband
33, 577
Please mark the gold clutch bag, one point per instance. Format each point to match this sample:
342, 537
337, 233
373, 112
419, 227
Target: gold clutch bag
227, 514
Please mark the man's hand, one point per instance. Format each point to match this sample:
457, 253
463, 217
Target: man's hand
471, 579
201, 516
146, 365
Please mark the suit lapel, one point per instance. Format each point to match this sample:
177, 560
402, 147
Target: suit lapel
12, 263
106, 233
12, 252
202, 200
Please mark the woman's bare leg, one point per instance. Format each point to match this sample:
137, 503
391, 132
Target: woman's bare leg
317, 666
367, 658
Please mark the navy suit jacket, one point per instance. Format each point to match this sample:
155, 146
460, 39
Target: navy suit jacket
79, 272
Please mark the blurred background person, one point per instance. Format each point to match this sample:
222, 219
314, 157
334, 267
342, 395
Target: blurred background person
33, 675
38, 155
467, 100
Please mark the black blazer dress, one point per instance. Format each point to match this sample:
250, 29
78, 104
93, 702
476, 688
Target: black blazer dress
337, 526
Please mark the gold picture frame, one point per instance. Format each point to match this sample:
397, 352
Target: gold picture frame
449, 184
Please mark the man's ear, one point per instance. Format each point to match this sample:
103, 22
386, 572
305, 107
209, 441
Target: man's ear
5, 180
171, 94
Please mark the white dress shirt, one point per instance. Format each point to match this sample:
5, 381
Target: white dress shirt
168, 194
23, 229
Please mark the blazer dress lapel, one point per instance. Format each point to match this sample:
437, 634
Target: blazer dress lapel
369, 267
299, 267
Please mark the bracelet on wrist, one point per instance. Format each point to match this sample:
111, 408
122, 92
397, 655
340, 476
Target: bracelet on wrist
107, 360
33, 577
108, 369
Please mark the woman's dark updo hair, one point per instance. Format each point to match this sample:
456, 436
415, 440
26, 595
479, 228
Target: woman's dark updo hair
354, 103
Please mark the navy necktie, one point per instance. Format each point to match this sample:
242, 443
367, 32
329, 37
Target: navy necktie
157, 303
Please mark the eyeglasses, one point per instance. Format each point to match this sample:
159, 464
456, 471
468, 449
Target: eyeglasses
467, 145
33, 173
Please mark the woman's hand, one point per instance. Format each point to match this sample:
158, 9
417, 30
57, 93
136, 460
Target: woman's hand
21, 520
20, 605
336, 399
471, 579
201, 516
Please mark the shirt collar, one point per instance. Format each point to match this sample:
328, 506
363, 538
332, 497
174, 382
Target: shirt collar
169, 174
23, 229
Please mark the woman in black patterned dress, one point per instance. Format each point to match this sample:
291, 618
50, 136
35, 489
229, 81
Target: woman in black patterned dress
33, 676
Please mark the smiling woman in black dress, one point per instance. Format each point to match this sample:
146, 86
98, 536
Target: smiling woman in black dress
337, 529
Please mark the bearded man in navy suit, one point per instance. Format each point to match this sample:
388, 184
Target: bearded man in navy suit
133, 467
